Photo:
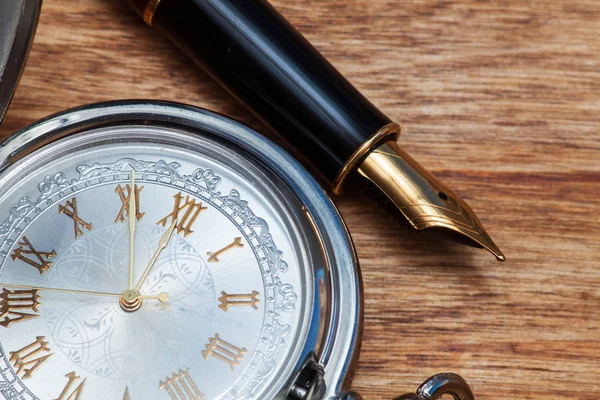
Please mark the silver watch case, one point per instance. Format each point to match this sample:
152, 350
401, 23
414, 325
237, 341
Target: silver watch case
334, 335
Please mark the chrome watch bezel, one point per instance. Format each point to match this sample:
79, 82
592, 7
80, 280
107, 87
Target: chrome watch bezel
334, 336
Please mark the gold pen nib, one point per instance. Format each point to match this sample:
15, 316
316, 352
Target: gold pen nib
425, 202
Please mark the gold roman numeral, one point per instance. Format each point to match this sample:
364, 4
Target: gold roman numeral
27, 253
238, 300
76, 393
180, 386
125, 202
27, 361
224, 351
191, 210
70, 210
213, 257
14, 305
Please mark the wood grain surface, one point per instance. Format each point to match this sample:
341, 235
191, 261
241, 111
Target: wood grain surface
500, 99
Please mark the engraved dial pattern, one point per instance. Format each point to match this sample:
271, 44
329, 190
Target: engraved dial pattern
232, 303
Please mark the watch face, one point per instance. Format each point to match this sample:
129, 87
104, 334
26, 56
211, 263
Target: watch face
147, 263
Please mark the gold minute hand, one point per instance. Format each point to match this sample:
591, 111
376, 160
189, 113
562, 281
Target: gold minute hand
164, 241
132, 216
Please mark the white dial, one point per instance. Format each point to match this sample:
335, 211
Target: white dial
218, 294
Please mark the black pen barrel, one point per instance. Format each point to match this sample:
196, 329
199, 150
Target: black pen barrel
261, 59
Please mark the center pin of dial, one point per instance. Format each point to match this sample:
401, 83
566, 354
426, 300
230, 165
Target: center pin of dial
130, 300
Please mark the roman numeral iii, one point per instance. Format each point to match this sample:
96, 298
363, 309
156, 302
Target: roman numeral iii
37, 259
185, 213
238, 300
224, 351
180, 386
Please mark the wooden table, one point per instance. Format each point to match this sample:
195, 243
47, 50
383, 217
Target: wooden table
500, 99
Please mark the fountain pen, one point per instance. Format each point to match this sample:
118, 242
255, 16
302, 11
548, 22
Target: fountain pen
263, 61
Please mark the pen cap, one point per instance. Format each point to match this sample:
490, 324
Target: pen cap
18, 22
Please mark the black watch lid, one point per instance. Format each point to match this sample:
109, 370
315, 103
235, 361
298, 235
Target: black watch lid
18, 22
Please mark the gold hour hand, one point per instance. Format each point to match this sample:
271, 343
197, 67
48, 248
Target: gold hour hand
84, 292
162, 297
164, 241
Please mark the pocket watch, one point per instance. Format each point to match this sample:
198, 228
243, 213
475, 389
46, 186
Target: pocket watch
158, 251
153, 250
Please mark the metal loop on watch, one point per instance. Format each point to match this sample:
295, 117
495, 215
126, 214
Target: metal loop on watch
439, 385
432, 389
